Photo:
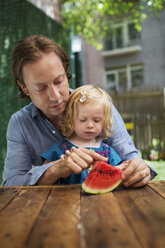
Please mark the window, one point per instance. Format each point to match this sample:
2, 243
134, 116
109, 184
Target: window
133, 34
137, 79
119, 37
124, 79
111, 81
122, 35
122, 86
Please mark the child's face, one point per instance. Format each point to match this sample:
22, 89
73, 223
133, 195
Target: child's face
89, 122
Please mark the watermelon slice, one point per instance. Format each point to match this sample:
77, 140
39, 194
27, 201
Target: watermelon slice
102, 178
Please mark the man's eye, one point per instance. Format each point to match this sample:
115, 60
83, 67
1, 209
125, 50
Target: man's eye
59, 82
41, 89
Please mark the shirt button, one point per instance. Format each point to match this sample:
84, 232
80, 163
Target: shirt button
53, 131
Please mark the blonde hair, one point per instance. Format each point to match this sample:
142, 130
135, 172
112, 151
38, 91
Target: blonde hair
82, 95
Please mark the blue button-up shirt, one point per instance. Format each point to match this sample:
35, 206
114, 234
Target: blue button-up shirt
29, 134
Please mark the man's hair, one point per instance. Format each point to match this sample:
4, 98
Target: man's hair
87, 94
30, 50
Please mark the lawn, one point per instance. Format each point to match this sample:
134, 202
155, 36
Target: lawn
159, 167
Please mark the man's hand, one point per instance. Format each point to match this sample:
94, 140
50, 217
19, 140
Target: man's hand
136, 173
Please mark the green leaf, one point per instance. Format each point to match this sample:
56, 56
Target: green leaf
93, 19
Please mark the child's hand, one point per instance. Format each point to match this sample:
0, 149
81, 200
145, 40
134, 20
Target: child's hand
63, 156
73, 161
78, 159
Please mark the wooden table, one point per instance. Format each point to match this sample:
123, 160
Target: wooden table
64, 216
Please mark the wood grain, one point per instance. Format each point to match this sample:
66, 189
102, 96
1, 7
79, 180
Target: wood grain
18, 218
145, 211
6, 196
58, 222
104, 224
65, 217
159, 187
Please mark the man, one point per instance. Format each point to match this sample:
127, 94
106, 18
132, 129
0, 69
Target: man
40, 70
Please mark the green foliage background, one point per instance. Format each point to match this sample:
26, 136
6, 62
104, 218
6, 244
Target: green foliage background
19, 19
158, 166
93, 19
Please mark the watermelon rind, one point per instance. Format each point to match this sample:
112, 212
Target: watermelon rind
99, 191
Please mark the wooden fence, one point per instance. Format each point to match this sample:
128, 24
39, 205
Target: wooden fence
144, 116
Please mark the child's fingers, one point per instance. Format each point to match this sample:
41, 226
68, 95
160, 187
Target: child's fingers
62, 156
67, 152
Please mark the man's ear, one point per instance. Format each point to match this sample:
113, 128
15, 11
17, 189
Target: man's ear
23, 88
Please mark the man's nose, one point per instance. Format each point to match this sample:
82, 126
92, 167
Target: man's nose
53, 93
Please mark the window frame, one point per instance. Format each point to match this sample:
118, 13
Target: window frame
128, 69
125, 36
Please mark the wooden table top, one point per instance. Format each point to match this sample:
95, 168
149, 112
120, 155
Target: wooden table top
64, 216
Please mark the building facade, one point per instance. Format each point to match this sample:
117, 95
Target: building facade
131, 67
130, 59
